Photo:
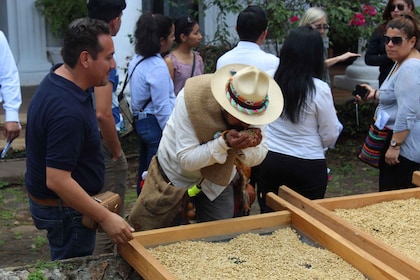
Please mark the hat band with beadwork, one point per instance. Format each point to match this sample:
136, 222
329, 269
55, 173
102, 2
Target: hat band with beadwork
248, 107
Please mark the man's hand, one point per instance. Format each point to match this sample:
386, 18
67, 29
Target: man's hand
11, 130
244, 139
117, 228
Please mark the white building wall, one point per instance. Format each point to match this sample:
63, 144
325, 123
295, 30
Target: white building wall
123, 48
26, 35
25, 29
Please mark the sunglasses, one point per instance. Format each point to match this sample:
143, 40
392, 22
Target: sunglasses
400, 7
321, 26
395, 40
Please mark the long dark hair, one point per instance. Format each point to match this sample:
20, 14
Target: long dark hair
386, 16
301, 60
149, 29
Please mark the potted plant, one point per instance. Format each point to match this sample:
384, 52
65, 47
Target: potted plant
58, 15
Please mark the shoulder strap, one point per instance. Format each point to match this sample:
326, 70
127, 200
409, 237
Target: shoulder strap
193, 66
127, 78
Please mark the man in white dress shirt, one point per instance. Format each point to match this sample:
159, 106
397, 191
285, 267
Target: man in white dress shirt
251, 26
10, 94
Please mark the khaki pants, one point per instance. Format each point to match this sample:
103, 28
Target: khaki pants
115, 181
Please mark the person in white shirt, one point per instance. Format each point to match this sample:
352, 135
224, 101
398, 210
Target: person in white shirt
206, 134
251, 26
10, 94
309, 124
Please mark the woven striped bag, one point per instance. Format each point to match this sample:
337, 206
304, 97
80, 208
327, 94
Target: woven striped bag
375, 143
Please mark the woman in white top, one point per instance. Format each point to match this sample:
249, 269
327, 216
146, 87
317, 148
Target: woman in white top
308, 124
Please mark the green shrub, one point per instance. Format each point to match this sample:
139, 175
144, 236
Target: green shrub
59, 14
347, 115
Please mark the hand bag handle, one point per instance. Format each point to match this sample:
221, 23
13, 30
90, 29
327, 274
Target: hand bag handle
127, 79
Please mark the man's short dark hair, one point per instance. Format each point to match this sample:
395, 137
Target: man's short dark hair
251, 23
82, 35
105, 10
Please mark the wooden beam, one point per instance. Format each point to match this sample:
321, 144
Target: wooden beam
381, 251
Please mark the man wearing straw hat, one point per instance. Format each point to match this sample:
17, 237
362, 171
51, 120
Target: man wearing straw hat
206, 132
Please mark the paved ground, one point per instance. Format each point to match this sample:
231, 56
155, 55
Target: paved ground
12, 170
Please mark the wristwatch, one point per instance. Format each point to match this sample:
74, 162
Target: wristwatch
394, 143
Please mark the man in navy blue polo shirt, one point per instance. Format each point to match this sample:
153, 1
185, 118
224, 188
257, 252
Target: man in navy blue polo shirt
65, 164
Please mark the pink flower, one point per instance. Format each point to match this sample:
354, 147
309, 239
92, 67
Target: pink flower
294, 19
369, 10
358, 20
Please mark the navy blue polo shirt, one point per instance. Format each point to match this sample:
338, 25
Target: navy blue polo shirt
62, 133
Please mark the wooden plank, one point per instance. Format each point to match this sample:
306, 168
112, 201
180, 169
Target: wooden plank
361, 200
381, 251
144, 262
136, 254
216, 228
366, 263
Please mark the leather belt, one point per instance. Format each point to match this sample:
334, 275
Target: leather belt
54, 202
162, 173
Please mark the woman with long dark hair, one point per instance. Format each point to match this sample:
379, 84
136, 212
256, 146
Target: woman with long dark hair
308, 124
375, 52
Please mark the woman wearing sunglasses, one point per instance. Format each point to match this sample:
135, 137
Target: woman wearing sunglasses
317, 18
399, 98
375, 52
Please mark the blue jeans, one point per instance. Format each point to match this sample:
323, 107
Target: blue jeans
149, 133
67, 237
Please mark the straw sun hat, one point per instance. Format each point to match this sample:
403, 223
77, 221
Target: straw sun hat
247, 93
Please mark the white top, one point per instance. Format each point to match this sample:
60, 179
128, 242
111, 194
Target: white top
317, 129
250, 53
9, 82
181, 155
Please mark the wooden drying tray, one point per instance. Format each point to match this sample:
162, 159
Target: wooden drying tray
361, 200
137, 255
319, 210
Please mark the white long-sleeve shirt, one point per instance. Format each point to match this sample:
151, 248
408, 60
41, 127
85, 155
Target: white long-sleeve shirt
182, 156
250, 53
10, 93
317, 129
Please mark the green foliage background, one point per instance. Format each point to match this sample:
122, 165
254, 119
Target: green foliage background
59, 13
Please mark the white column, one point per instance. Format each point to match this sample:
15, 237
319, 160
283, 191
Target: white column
124, 50
28, 41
